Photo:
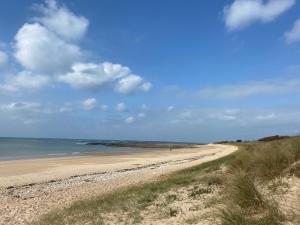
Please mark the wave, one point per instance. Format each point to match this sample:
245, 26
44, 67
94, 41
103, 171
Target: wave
82, 143
75, 153
57, 154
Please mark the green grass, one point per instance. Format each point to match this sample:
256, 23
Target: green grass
257, 163
130, 201
234, 216
265, 161
243, 192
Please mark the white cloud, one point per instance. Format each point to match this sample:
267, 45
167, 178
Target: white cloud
227, 117
104, 108
43, 49
186, 114
40, 50
242, 13
170, 108
89, 104
3, 59
24, 80
90, 76
146, 86
21, 106
26, 112
48, 45
239, 91
294, 34
121, 107
141, 115
144, 107
62, 21
129, 119
132, 83
67, 107
232, 111
266, 117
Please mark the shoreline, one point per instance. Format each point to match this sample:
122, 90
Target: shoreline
24, 171
33, 191
126, 151
122, 149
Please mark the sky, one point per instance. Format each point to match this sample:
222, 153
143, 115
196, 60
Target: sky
192, 71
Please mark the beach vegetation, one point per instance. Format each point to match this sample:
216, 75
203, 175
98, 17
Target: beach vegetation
240, 178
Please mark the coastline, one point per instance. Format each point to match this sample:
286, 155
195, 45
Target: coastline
30, 188
40, 148
35, 170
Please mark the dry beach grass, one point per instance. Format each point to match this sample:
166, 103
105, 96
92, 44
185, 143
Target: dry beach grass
258, 185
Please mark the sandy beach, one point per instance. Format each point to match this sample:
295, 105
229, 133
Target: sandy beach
30, 188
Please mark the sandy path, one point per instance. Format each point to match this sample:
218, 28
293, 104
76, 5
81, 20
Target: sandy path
29, 188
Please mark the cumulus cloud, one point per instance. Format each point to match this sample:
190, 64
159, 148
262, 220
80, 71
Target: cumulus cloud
89, 104
146, 86
129, 120
91, 76
45, 46
40, 50
141, 115
294, 34
242, 13
48, 45
239, 91
62, 21
132, 83
3, 59
24, 81
104, 108
121, 107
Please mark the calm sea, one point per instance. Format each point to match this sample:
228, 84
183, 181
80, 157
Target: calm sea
26, 148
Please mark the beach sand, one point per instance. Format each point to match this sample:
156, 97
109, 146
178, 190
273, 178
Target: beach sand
30, 188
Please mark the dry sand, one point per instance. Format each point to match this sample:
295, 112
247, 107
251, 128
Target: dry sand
30, 188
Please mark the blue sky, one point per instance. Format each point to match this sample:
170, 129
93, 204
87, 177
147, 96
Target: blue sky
150, 70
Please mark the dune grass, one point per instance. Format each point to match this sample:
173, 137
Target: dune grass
256, 164
243, 204
131, 201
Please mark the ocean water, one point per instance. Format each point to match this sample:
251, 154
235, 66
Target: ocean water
26, 148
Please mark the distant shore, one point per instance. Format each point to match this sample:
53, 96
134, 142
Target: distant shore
143, 144
34, 148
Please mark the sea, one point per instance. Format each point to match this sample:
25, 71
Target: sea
29, 148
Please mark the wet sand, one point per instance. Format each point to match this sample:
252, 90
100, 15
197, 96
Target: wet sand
30, 188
